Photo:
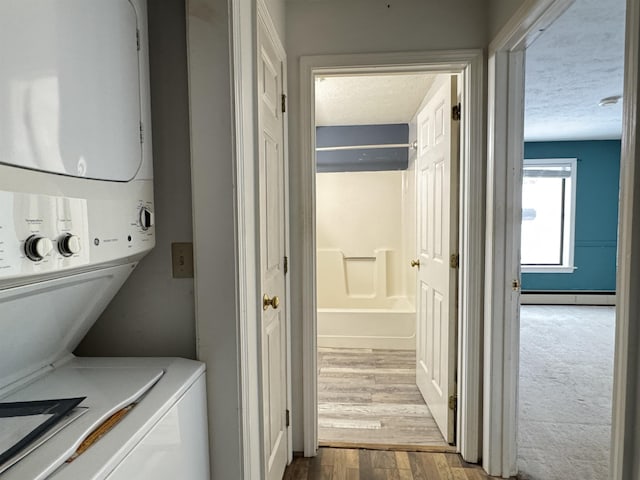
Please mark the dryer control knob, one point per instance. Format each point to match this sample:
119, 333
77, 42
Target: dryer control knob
68, 245
37, 247
146, 219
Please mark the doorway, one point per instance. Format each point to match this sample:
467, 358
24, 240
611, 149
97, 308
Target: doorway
506, 114
368, 156
468, 65
570, 191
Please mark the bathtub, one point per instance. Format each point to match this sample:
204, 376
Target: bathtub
392, 326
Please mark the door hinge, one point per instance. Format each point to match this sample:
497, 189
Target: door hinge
454, 261
453, 402
286, 265
287, 418
138, 39
284, 103
456, 112
515, 285
141, 133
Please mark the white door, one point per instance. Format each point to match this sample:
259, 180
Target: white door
272, 255
437, 241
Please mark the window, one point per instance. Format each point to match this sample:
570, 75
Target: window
548, 215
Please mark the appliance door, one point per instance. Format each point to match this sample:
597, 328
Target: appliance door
70, 91
176, 446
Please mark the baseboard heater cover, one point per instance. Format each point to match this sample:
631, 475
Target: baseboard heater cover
567, 298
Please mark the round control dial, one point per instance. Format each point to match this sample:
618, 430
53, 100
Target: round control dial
146, 218
37, 247
68, 245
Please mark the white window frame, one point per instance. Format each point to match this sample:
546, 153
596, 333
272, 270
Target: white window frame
568, 265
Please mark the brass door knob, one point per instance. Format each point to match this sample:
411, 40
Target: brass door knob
270, 302
415, 263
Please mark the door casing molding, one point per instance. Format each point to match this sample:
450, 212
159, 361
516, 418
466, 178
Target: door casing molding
505, 151
244, 23
244, 82
504, 161
625, 435
470, 63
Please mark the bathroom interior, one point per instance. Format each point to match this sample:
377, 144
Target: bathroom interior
366, 240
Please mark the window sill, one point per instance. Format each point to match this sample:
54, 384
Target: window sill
550, 269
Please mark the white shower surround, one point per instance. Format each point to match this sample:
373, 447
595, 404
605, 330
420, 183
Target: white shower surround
365, 232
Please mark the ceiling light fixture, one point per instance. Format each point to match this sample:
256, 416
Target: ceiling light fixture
609, 100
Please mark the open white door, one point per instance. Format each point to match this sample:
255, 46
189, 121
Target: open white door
437, 244
272, 255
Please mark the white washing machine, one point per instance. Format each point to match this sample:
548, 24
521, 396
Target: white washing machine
76, 216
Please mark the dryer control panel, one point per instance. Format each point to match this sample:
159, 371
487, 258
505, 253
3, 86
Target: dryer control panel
39, 233
43, 234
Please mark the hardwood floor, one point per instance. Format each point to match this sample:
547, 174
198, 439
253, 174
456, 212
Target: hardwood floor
352, 464
368, 397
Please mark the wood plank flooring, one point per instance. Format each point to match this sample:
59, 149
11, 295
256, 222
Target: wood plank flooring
368, 397
354, 464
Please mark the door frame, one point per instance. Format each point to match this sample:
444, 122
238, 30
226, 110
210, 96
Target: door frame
504, 163
505, 151
470, 63
626, 424
244, 24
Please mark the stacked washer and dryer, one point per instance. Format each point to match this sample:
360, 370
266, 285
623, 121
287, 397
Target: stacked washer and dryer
76, 216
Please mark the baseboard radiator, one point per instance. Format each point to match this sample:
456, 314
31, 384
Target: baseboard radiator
567, 298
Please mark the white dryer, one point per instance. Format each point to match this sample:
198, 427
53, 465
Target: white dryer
76, 216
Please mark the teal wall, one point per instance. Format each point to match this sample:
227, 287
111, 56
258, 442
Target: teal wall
596, 216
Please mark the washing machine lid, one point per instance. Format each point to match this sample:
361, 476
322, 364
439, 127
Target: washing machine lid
107, 390
70, 91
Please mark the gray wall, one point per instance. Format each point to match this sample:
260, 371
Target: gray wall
359, 26
153, 314
500, 11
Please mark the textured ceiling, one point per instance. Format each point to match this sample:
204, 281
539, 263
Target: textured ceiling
369, 100
574, 64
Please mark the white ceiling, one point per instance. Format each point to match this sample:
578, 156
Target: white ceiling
575, 63
369, 100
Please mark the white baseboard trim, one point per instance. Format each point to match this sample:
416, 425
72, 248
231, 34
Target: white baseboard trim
567, 299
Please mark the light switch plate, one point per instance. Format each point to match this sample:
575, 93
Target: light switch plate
182, 260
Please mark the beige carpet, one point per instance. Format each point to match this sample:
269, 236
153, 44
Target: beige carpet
566, 378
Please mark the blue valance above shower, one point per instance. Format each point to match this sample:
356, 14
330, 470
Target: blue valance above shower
362, 148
